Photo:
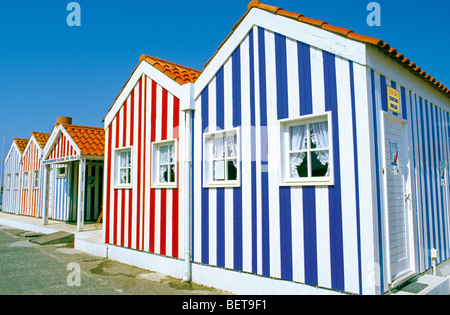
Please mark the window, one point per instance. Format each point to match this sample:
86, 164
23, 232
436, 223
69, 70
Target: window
35, 179
306, 151
61, 171
16, 181
164, 164
221, 156
26, 180
8, 182
124, 166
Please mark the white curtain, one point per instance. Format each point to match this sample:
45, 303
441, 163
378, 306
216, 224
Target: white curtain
298, 142
319, 137
163, 159
232, 148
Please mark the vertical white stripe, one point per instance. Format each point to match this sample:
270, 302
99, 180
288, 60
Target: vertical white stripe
246, 149
292, 78
258, 153
229, 206
366, 171
273, 146
322, 204
212, 193
346, 151
197, 189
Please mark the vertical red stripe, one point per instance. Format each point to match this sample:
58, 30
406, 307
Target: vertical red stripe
175, 192
152, 191
124, 127
144, 160
122, 222
164, 115
138, 202
130, 192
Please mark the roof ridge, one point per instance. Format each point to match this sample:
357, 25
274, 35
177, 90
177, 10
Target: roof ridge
378, 43
82, 126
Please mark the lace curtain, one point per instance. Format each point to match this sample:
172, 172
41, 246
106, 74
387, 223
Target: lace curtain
320, 138
298, 142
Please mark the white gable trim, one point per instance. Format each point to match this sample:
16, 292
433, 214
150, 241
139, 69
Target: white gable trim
154, 74
54, 138
32, 139
11, 148
311, 35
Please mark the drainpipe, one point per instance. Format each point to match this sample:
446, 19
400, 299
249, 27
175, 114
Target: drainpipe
187, 197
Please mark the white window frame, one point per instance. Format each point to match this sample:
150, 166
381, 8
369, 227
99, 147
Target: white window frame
117, 168
62, 174
16, 181
208, 181
8, 182
156, 164
285, 125
26, 180
36, 179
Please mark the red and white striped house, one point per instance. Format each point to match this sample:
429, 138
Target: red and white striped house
31, 175
144, 140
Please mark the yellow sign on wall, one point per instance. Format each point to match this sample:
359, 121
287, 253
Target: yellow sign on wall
393, 100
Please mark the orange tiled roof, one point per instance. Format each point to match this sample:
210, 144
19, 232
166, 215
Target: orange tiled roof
90, 140
21, 144
41, 138
180, 74
376, 42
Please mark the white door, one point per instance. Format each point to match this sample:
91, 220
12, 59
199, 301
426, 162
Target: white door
50, 193
397, 198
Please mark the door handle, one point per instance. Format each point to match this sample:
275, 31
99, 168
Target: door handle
407, 197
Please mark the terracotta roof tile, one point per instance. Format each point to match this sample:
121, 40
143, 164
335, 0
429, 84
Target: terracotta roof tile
21, 144
378, 43
41, 138
90, 140
180, 74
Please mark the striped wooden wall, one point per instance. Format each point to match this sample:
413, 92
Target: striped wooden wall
144, 218
12, 166
30, 197
304, 234
429, 130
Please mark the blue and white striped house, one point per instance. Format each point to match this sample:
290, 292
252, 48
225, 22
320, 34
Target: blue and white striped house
12, 176
319, 163
318, 158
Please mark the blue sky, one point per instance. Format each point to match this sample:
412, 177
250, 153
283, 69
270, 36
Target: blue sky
48, 69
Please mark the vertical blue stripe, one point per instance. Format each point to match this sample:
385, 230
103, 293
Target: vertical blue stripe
220, 192
237, 192
430, 174
253, 153
403, 96
281, 74
264, 155
355, 152
377, 166
383, 91
205, 192
284, 192
309, 235
334, 192
304, 78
